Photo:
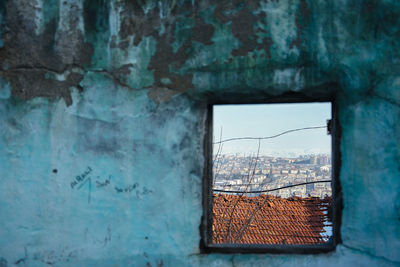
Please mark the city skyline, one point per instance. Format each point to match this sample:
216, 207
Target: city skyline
245, 174
261, 120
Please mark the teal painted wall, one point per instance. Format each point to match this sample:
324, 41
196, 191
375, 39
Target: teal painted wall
117, 90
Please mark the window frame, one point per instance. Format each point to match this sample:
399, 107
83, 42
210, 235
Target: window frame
206, 245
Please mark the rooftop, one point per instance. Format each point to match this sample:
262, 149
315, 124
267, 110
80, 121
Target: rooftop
268, 219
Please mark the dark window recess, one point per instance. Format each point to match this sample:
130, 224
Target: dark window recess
271, 180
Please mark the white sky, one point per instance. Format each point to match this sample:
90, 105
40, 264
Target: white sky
262, 120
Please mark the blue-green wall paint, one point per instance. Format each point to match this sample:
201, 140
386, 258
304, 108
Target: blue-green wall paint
117, 91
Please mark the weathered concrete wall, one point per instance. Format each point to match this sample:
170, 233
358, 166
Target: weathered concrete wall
118, 89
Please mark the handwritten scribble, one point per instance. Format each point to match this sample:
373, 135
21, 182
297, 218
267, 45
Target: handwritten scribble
89, 188
127, 189
86, 178
81, 178
105, 183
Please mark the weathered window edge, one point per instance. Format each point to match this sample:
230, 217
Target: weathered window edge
206, 245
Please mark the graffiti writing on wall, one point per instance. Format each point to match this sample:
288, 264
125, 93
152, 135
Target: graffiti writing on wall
85, 178
127, 189
132, 187
82, 177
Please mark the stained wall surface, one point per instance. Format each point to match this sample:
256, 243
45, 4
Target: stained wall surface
118, 90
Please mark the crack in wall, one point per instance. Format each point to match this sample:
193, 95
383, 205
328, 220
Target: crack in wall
232, 260
386, 99
370, 254
72, 69
112, 75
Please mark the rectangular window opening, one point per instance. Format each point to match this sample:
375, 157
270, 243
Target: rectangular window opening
272, 178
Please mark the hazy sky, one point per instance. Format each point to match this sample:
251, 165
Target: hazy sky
269, 119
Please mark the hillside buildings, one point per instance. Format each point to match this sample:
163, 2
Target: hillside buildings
249, 174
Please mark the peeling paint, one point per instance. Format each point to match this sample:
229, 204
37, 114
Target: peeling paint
281, 19
122, 87
5, 89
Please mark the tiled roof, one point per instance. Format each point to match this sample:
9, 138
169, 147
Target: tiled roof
268, 219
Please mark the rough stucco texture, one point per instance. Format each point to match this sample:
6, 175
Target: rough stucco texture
117, 90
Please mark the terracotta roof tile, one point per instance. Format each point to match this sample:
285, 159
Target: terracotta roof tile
270, 220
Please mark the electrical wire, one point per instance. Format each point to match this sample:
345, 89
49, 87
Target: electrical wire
270, 137
271, 190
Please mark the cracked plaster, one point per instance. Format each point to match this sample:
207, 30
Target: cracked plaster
122, 87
